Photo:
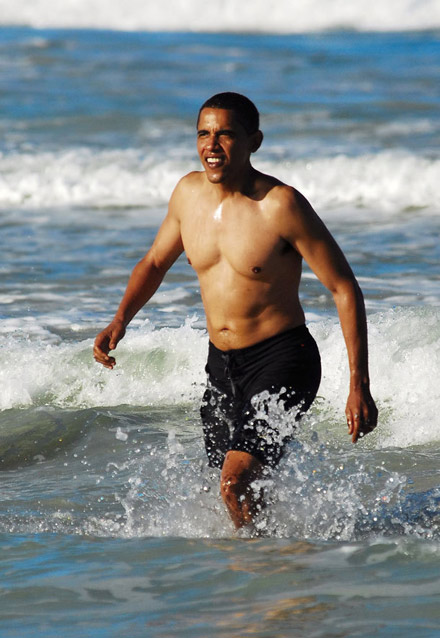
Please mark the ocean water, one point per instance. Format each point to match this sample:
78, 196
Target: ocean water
110, 524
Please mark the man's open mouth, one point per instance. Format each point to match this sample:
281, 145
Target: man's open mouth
214, 162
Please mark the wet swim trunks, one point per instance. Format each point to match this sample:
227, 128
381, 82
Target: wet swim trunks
249, 391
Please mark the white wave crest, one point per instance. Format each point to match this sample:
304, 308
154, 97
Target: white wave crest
84, 178
387, 181
390, 181
166, 367
277, 16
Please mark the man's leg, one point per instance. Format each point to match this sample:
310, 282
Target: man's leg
239, 470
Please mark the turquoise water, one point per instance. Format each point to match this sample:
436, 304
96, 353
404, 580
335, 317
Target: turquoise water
186, 587
110, 523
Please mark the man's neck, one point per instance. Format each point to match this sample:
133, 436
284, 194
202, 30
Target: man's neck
244, 185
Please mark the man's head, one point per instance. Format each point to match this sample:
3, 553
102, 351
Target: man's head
244, 110
227, 135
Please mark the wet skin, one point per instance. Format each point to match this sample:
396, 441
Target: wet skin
246, 234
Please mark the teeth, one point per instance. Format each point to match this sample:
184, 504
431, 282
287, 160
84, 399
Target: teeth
213, 160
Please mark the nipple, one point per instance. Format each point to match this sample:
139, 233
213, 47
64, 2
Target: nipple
256, 269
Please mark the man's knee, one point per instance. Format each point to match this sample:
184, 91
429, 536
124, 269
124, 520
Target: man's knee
231, 488
240, 469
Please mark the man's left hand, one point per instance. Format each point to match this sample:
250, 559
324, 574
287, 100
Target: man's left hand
361, 413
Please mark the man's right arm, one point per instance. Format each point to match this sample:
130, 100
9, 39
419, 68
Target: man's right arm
145, 279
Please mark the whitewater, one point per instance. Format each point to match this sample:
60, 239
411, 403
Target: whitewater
276, 16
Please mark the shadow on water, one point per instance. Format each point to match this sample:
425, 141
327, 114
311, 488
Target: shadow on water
30, 436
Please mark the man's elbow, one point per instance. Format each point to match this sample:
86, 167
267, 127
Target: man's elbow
348, 290
152, 262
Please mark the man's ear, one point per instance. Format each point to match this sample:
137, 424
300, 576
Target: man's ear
256, 141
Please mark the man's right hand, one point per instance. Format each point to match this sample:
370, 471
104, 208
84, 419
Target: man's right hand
107, 340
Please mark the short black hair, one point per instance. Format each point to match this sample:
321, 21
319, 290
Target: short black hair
245, 111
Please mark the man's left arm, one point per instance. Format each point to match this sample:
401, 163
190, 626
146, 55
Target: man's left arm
311, 238
361, 411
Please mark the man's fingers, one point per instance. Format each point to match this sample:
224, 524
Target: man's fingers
361, 414
105, 360
353, 421
359, 427
107, 340
100, 354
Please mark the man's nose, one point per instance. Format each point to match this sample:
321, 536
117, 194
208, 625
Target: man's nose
213, 141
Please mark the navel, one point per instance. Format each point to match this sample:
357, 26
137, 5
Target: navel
256, 269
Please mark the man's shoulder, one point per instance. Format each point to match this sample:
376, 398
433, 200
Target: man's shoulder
286, 208
190, 180
278, 195
183, 191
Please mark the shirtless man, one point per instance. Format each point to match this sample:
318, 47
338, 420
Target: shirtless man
245, 234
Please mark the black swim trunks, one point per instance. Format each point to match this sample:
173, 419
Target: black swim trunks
249, 391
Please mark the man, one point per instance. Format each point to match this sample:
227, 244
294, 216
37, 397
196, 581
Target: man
245, 234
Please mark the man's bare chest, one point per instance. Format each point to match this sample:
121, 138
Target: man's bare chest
247, 244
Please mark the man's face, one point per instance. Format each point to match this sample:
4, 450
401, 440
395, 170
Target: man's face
223, 145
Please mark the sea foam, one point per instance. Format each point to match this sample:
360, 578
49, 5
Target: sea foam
389, 181
165, 366
277, 16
